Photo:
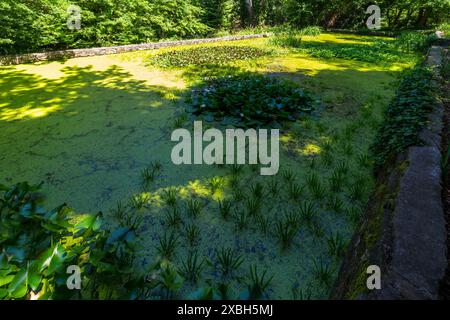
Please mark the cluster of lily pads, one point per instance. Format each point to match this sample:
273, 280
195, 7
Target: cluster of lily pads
212, 55
249, 100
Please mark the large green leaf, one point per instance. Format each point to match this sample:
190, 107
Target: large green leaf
6, 279
90, 221
18, 287
3, 261
52, 259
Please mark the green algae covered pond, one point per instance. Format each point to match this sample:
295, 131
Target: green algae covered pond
91, 128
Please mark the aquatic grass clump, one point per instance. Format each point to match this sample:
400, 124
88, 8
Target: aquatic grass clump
336, 245
285, 233
210, 55
263, 223
192, 234
229, 261
225, 208
191, 267
336, 181
257, 190
250, 100
307, 211
194, 208
354, 214
364, 161
323, 273
120, 211
169, 196
253, 206
295, 191
273, 187
148, 175
342, 168
173, 217
215, 184
288, 175
167, 245
258, 283
240, 220
318, 191
138, 201
335, 204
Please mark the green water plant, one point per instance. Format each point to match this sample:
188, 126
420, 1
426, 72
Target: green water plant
240, 219
295, 191
258, 284
229, 260
173, 217
336, 245
285, 233
216, 183
194, 208
288, 175
307, 211
257, 190
192, 232
167, 245
253, 206
225, 208
273, 186
169, 196
191, 267
323, 272
250, 100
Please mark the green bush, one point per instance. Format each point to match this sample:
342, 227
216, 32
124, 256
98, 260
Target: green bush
406, 116
313, 31
216, 55
444, 27
249, 100
37, 246
414, 41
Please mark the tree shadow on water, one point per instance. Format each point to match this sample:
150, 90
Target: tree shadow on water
85, 133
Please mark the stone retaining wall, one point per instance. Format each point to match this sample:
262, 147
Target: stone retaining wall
74, 53
404, 230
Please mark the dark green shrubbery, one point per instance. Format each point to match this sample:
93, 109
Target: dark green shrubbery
290, 37
414, 41
250, 100
216, 55
406, 116
37, 246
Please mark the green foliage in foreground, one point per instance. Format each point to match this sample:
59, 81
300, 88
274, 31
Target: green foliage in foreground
406, 116
215, 55
249, 100
37, 246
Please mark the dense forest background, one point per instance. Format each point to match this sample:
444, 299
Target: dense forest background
30, 25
